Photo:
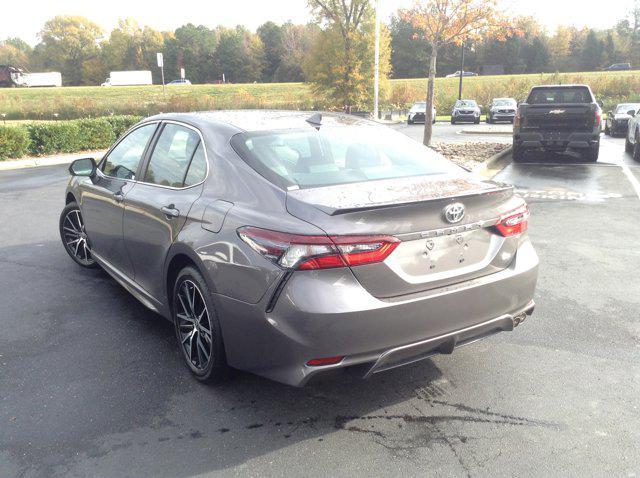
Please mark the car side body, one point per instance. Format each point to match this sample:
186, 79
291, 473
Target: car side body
632, 136
444, 284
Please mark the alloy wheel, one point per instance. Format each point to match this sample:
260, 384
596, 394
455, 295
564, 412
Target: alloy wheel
75, 237
194, 325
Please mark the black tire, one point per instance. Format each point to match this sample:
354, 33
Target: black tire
636, 150
453, 121
628, 147
73, 236
409, 121
592, 153
607, 131
433, 121
518, 153
477, 121
197, 327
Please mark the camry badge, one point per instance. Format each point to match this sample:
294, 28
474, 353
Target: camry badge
454, 213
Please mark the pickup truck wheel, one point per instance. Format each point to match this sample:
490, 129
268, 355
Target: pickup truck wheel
628, 147
593, 153
518, 153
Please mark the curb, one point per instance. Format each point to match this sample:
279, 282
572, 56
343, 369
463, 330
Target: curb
496, 133
494, 164
36, 162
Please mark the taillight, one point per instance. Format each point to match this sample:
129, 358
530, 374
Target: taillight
514, 222
598, 120
294, 251
517, 119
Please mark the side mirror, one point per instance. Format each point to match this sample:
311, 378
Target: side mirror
631, 113
83, 167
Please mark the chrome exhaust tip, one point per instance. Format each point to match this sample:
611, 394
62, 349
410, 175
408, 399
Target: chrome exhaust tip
518, 319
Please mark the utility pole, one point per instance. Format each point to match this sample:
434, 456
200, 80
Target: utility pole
461, 74
376, 79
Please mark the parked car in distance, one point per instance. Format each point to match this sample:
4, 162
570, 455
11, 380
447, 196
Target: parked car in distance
502, 109
291, 243
558, 118
618, 67
464, 73
129, 78
618, 118
465, 111
179, 82
418, 113
632, 138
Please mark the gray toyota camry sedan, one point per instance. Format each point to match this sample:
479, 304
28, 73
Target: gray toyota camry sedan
291, 243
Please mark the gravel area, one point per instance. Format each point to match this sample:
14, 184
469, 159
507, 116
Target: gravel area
469, 154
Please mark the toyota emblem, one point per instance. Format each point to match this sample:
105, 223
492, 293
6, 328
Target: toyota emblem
454, 213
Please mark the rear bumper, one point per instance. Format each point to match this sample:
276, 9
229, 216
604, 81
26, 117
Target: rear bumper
328, 313
556, 140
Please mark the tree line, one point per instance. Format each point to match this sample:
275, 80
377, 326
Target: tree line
334, 53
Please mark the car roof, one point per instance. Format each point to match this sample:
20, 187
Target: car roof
262, 120
576, 85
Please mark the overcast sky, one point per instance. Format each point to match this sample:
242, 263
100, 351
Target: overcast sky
25, 18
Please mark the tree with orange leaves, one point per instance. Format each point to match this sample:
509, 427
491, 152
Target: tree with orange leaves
445, 22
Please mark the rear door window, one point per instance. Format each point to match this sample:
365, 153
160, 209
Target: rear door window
172, 155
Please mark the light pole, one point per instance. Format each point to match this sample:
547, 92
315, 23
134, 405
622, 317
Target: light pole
376, 78
461, 74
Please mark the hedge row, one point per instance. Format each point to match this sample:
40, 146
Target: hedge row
62, 136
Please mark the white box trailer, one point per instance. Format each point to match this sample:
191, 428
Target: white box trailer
50, 78
128, 78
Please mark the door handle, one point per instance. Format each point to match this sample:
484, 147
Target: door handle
170, 211
118, 196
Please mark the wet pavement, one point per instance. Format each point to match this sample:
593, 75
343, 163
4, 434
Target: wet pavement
91, 383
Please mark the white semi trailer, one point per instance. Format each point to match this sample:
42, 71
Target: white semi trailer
128, 78
50, 78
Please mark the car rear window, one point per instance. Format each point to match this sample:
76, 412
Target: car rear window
575, 94
309, 158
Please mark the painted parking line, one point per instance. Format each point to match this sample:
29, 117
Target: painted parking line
632, 179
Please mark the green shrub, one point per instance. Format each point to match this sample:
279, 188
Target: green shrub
54, 137
121, 123
14, 142
95, 133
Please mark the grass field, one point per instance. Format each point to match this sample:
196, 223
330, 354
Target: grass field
90, 101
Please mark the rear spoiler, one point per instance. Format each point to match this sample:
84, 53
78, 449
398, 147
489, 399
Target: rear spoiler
347, 198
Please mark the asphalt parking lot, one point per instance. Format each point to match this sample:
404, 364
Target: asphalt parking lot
92, 384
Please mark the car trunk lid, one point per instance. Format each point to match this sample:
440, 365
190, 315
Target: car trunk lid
433, 252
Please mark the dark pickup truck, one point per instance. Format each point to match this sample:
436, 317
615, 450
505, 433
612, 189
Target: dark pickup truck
558, 118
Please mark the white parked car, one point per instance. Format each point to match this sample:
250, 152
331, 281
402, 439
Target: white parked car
464, 73
632, 142
179, 82
418, 112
